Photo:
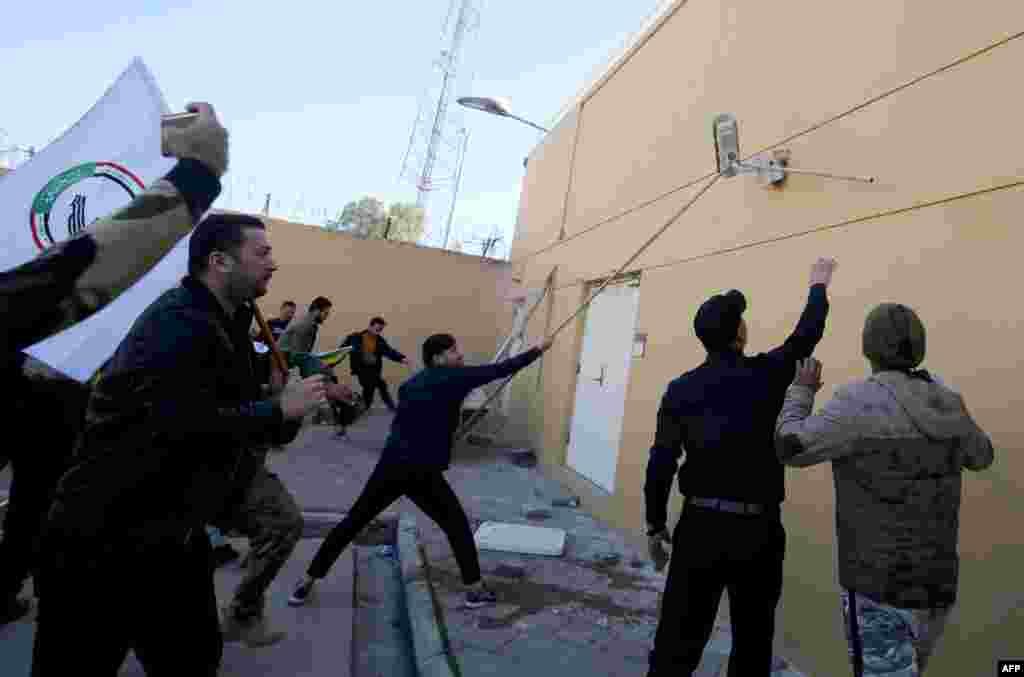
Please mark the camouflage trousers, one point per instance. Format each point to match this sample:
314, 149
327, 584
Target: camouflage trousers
270, 518
885, 641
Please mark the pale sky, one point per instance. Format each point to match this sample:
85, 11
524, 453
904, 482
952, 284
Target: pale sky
320, 97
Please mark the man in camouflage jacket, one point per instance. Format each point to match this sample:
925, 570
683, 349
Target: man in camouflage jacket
898, 442
62, 286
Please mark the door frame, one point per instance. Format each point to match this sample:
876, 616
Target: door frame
632, 278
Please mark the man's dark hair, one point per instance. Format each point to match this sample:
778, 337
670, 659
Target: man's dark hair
320, 303
717, 322
435, 345
288, 304
378, 320
218, 232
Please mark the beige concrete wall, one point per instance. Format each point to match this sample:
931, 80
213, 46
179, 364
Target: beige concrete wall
780, 68
418, 290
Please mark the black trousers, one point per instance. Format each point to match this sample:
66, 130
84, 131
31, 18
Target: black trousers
54, 413
371, 381
431, 493
34, 478
711, 552
160, 604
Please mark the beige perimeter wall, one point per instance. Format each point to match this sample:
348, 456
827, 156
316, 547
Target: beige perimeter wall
419, 291
781, 68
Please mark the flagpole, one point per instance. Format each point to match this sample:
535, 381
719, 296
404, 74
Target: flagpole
268, 338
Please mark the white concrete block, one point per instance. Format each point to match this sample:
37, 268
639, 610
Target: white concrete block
521, 539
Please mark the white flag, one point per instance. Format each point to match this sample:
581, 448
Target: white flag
96, 167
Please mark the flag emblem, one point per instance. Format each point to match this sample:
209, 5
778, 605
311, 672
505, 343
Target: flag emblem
99, 187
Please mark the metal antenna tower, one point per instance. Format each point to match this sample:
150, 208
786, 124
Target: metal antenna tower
433, 156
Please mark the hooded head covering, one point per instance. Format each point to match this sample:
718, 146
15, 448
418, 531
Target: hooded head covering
894, 337
717, 322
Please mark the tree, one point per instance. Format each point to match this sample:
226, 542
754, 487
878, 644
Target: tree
359, 218
368, 219
406, 222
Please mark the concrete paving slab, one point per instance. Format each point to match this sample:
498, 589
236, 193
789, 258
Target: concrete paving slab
520, 539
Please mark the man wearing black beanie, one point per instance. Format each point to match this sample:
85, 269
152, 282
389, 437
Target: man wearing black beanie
723, 415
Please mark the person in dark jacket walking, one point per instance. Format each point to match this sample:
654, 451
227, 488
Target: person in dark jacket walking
62, 286
369, 349
174, 438
415, 456
722, 414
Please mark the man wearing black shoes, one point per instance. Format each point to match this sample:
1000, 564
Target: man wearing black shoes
415, 456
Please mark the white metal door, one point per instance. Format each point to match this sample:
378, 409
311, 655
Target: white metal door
596, 429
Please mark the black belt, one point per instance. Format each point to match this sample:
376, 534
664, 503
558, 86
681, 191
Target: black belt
736, 507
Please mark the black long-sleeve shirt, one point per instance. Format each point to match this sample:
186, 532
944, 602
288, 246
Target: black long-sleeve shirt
384, 349
723, 414
429, 406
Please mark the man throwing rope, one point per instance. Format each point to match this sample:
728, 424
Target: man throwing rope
415, 456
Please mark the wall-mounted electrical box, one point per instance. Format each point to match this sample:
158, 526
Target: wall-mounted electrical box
639, 345
727, 144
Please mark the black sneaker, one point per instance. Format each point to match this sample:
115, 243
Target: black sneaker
223, 554
302, 591
478, 598
14, 609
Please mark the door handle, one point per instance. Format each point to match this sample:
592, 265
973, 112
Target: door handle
600, 379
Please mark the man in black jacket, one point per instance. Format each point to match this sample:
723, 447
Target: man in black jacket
174, 439
62, 286
730, 535
368, 350
415, 456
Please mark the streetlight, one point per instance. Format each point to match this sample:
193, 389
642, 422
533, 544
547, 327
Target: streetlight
495, 107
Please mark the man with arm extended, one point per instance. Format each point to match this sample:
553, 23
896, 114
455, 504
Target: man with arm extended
723, 414
415, 456
898, 442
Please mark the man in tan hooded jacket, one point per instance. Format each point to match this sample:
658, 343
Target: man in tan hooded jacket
898, 442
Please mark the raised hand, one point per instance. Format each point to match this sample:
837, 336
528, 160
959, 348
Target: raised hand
808, 374
544, 345
821, 271
204, 140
